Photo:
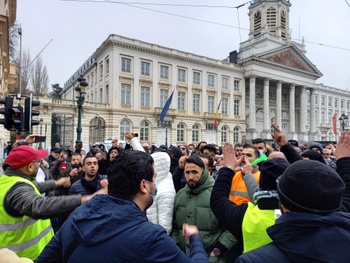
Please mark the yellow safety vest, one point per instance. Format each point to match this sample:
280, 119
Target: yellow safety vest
24, 235
255, 223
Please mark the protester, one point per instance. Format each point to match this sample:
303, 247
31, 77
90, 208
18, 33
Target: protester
238, 149
248, 221
114, 227
161, 211
23, 210
260, 144
192, 206
91, 180
61, 164
311, 228
246, 180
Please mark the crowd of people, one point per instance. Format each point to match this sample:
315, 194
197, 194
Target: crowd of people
188, 203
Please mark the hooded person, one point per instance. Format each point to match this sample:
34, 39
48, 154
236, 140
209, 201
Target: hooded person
248, 222
316, 146
311, 228
161, 211
313, 155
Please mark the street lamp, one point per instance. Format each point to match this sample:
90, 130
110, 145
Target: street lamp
165, 124
41, 131
81, 91
343, 121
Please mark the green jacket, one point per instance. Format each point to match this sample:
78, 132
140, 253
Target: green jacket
192, 206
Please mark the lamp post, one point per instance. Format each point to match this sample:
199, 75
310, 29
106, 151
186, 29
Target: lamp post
343, 121
165, 124
41, 131
81, 91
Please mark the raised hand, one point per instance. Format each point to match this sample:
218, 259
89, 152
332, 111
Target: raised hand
343, 146
279, 137
230, 157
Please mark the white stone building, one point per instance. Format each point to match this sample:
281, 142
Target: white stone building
136, 78
270, 80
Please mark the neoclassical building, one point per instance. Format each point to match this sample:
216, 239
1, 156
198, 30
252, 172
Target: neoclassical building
268, 80
136, 78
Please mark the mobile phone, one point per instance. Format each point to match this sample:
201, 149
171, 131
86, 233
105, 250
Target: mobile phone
39, 138
136, 135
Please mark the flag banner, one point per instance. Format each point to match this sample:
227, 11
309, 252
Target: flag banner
166, 107
334, 120
217, 115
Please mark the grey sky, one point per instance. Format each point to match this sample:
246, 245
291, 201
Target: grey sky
79, 28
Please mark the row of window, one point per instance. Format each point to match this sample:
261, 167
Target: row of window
323, 116
164, 73
144, 133
181, 100
330, 102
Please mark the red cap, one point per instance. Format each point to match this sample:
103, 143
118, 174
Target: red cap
24, 155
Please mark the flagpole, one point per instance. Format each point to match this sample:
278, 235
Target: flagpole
166, 136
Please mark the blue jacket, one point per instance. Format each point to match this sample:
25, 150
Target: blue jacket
109, 229
79, 188
302, 237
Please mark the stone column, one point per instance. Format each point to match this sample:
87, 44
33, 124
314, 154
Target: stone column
252, 108
312, 112
279, 104
292, 110
303, 111
266, 106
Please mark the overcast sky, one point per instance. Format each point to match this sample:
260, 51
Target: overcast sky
78, 28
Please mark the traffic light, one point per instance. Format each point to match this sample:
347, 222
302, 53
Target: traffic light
6, 121
29, 113
16, 114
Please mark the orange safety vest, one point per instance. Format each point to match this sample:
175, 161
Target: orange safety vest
239, 191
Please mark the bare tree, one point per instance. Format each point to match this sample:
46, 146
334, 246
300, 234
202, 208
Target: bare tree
13, 42
39, 79
26, 72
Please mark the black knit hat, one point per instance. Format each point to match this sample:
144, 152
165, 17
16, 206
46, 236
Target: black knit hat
313, 155
311, 187
270, 170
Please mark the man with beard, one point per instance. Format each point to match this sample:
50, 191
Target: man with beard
24, 212
91, 181
114, 227
312, 227
192, 206
246, 179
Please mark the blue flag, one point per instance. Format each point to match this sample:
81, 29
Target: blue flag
166, 107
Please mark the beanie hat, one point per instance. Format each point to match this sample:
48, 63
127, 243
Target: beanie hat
316, 145
270, 170
313, 155
310, 187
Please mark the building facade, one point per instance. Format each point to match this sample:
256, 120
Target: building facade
135, 79
269, 80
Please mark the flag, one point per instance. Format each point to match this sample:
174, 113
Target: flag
334, 121
166, 107
217, 115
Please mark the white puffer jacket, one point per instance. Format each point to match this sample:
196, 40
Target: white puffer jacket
161, 211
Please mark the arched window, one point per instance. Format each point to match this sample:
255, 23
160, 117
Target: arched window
195, 133
180, 132
97, 130
144, 131
224, 133
124, 127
